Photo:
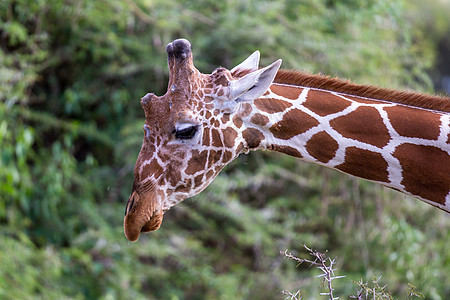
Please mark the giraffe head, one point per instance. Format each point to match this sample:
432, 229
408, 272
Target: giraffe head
190, 133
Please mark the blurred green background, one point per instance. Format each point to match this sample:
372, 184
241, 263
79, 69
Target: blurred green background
71, 77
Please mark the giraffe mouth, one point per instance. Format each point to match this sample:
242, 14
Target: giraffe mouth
142, 214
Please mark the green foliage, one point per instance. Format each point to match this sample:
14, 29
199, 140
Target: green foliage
71, 75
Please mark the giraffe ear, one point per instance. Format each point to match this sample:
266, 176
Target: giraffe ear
254, 84
251, 63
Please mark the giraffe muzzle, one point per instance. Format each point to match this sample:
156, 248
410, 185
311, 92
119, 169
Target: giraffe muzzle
142, 214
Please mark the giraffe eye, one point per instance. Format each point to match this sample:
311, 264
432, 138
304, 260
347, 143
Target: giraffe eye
186, 131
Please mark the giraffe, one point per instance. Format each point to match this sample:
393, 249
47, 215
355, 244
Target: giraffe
204, 121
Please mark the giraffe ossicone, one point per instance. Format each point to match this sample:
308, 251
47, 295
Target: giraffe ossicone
204, 121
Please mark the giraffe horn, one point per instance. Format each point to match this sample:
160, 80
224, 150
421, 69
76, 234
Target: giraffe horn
179, 49
180, 61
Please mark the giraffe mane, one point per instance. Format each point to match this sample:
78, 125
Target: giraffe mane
297, 78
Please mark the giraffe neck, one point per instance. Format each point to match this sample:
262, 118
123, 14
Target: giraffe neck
403, 147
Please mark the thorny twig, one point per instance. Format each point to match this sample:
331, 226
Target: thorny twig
366, 290
322, 262
375, 291
296, 296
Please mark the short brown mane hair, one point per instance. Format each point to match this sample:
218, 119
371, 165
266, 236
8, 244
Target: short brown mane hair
347, 87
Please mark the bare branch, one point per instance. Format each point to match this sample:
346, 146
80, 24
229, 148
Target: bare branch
323, 263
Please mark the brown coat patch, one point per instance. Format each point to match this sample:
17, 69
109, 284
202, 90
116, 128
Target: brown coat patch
323, 103
271, 105
253, 137
227, 156
412, 122
172, 175
153, 168
286, 150
365, 125
365, 164
426, 171
286, 91
322, 147
197, 162
229, 137
246, 110
237, 121
259, 119
214, 156
216, 141
225, 118
198, 180
206, 140
294, 122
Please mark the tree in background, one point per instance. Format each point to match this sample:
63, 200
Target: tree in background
71, 76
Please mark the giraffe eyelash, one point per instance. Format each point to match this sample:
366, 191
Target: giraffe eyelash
186, 131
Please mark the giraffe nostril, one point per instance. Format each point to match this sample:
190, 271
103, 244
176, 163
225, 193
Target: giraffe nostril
129, 205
